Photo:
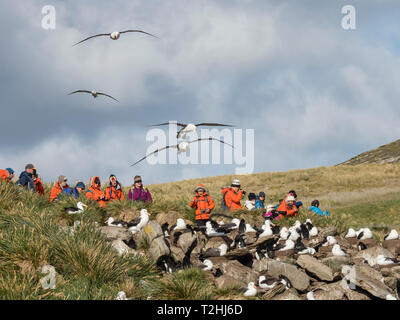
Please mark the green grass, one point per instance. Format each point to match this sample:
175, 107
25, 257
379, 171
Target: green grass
35, 233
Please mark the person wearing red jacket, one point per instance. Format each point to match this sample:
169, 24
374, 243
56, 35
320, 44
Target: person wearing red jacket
203, 204
287, 207
114, 190
60, 187
233, 195
6, 175
95, 193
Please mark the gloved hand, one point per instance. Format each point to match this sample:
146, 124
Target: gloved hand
243, 192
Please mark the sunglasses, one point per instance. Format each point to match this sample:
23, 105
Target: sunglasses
138, 181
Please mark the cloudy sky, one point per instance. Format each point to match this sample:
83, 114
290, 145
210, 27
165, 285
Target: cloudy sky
314, 93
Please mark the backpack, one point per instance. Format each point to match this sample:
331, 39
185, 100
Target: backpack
224, 206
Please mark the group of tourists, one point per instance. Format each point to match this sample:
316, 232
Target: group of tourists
201, 202
30, 180
231, 201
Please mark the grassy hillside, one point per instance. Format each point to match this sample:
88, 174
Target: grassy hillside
34, 233
388, 153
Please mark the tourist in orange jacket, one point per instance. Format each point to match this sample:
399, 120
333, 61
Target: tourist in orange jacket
7, 175
114, 190
287, 207
203, 204
38, 182
60, 187
233, 195
95, 193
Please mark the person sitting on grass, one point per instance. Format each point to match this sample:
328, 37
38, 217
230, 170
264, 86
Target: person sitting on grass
203, 204
79, 189
94, 192
60, 187
297, 203
138, 192
287, 207
260, 200
25, 179
38, 182
316, 210
271, 213
114, 190
6, 175
250, 204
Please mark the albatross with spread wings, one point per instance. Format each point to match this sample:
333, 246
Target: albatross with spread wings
113, 35
181, 147
186, 128
93, 93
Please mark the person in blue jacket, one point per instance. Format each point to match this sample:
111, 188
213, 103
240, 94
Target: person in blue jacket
316, 210
260, 200
79, 189
26, 178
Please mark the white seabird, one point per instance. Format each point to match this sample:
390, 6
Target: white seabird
80, 207
310, 251
364, 233
383, 261
114, 35
137, 224
330, 241
112, 223
267, 230
181, 147
393, 235
294, 235
93, 93
249, 228
191, 127
268, 284
208, 265
289, 245
284, 234
351, 233
121, 296
337, 251
180, 224
251, 290
313, 232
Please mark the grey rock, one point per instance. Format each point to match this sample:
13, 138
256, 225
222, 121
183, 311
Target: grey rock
116, 233
316, 268
238, 271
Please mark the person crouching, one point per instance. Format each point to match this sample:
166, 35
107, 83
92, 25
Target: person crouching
203, 204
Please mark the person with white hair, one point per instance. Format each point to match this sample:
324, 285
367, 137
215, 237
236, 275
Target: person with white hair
287, 207
232, 196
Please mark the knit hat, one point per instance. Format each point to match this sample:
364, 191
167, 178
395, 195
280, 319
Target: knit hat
61, 179
252, 196
113, 178
10, 171
236, 183
80, 184
29, 166
293, 193
261, 194
290, 198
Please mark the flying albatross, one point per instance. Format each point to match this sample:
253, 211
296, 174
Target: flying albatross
114, 35
182, 147
93, 93
190, 127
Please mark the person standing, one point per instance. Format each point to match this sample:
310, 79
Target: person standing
203, 204
138, 192
233, 195
26, 178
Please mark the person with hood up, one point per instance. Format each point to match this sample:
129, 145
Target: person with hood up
38, 182
95, 193
79, 189
26, 178
251, 203
203, 204
60, 187
138, 192
260, 200
7, 174
232, 195
114, 190
287, 207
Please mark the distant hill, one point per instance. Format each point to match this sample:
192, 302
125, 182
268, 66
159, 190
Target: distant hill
388, 153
